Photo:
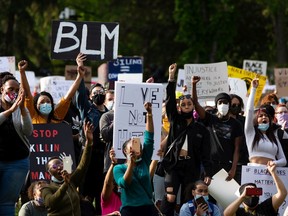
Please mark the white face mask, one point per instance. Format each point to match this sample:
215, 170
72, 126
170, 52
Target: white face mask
110, 105
223, 109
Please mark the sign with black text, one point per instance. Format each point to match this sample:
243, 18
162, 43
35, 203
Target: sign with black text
46, 141
99, 41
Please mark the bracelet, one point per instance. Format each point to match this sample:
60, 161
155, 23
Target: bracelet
149, 114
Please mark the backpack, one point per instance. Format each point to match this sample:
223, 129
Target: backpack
192, 207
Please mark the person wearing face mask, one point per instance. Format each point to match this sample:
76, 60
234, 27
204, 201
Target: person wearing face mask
187, 151
262, 141
92, 107
251, 205
36, 206
109, 99
61, 196
193, 192
226, 133
15, 127
41, 107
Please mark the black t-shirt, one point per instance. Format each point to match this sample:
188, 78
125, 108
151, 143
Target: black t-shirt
227, 131
11, 145
263, 209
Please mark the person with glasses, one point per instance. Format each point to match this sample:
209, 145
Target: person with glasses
262, 142
92, 107
226, 133
61, 196
187, 150
194, 192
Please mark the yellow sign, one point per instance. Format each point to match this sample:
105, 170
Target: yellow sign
248, 76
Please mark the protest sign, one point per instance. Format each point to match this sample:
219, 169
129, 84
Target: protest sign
130, 114
181, 82
71, 74
57, 86
214, 79
260, 176
248, 76
46, 141
124, 65
238, 87
281, 81
7, 64
98, 41
259, 67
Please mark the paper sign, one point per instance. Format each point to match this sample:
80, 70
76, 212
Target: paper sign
281, 81
30, 78
7, 64
130, 78
181, 82
259, 67
238, 87
214, 79
223, 191
130, 114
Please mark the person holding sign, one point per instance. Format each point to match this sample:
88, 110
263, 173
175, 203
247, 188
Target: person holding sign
187, 150
15, 127
133, 177
61, 196
249, 198
262, 143
197, 197
41, 107
226, 133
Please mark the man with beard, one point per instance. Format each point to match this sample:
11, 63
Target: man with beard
92, 108
226, 133
251, 204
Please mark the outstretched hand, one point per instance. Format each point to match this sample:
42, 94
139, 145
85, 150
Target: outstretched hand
88, 131
80, 59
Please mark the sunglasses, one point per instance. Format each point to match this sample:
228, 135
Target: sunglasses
56, 165
188, 96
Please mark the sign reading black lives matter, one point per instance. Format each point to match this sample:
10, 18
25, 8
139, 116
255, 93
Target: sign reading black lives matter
99, 41
46, 141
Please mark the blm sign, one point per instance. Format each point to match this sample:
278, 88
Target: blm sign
99, 41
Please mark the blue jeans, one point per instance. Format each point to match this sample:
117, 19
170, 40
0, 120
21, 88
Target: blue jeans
12, 178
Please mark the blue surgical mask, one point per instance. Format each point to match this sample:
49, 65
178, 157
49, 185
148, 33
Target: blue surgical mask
206, 197
56, 180
263, 127
45, 109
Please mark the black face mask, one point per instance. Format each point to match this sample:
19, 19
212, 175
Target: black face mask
98, 99
235, 110
187, 115
252, 201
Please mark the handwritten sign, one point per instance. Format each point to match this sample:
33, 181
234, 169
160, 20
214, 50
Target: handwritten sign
259, 67
99, 41
238, 87
181, 82
57, 86
262, 178
7, 64
124, 65
130, 114
71, 74
281, 81
214, 79
248, 76
46, 141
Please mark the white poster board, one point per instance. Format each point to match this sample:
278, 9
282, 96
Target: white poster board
223, 191
238, 87
261, 177
181, 82
30, 78
7, 64
256, 66
130, 114
130, 77
214, 79
57, 86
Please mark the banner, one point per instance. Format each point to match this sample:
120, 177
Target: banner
130, 114
99, 41
46, 141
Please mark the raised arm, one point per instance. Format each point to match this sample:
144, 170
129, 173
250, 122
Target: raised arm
199, 109
149, 119
22, 66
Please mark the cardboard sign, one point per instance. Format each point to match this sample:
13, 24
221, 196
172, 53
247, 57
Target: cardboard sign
46, 141
7, 64
259, 67
99, 41
130, 114
214, 79
71, 74
260, 176
181, 82
248, 76
281, 81
124, 65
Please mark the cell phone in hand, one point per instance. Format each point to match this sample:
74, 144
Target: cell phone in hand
201, 200
67, 163
136, 145
254, 191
